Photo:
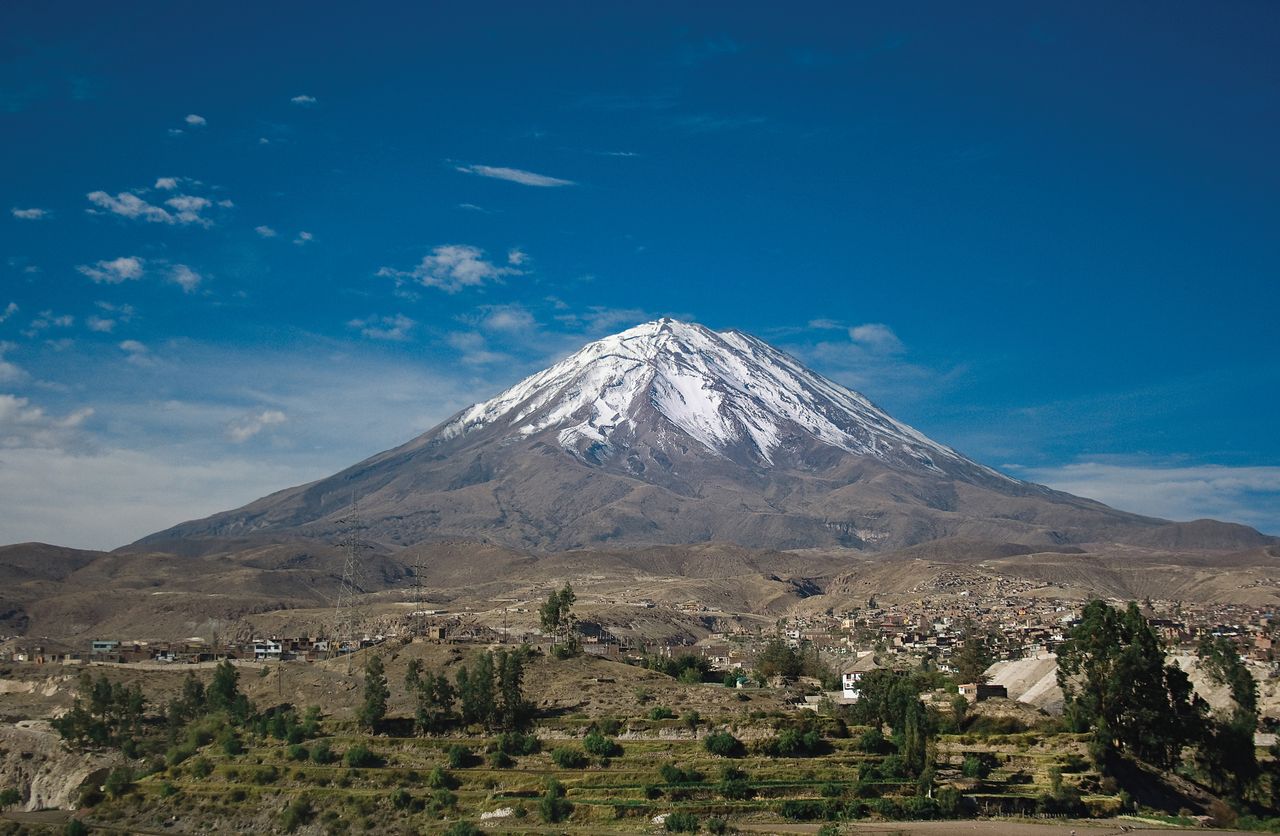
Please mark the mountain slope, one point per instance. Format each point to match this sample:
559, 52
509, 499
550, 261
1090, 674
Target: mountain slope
671, 433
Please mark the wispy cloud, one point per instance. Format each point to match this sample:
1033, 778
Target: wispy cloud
265, 231
182, 209
137, 353
9, 372
23, 424
514, 175
395, 328
9, 310
115, 271
1249, 495
185, 278
30, 214
303, 100
877, 337
105, 324
195, 119
701, 123
250, 425
474, 349
452, 267
303, 238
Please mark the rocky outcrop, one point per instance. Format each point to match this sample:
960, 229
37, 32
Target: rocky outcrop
34, 762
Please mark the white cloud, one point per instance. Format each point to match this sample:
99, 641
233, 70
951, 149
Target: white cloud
114, 271
451, 267
183, 209
48, 319
250, 425
516, 257
303, 100
825, 324
303, 238
505, 318
9, 310
185, 277
395, 328
114, 496
9, 372
24, 425
196, 119
176, 132
474, 349
1249, 495
877, 337
265, 231
30, 214
514, 175
100, 324
188, 208
137, 353
129, 205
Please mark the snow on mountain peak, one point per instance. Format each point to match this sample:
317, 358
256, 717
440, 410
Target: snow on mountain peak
727, 391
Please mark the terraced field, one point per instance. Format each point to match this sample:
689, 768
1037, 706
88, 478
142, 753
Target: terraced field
417, 784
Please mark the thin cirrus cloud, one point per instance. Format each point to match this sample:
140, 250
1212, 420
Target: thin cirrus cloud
514, 175
1249, 495
303, 100
265, 231
877, 337
32, 214
395, 328
452, 267
196, 120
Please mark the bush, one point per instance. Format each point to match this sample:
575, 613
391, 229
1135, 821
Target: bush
517, 743
873, 742
201, 767
799, 809
661, 712
360, 757
975, 767
298, 752
438, 779
462, 828
610, 726
567, 758
601, 746
119, 781
499, 759
322, 753
554, 807
75, 827
673, 774
793, 743
298, 813
716, 826
265, 775
724, 744
459, 756
681, 822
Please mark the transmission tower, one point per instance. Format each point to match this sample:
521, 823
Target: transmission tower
348, 612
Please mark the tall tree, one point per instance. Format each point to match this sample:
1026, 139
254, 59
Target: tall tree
1228, 757
376, 693
1113, 674
975, 656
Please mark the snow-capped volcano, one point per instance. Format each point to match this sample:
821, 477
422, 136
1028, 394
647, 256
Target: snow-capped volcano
670, 433
736, 396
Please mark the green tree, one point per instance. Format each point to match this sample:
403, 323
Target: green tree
9, 797
1227, 755
476, 691
778, 659
435, 697
1113, 674
975, 656
376, 693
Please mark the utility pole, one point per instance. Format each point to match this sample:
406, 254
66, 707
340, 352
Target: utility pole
347, 615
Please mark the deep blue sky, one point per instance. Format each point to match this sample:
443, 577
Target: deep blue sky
1060, 225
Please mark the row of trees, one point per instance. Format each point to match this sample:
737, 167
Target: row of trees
487, 693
